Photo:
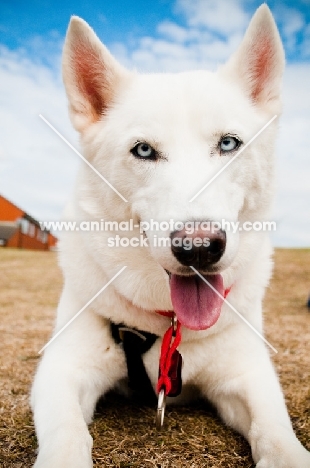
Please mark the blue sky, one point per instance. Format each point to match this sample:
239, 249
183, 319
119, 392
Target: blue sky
114, 21
127, 21
37, 171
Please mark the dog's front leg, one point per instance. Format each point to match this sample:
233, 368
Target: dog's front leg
241, 382
80, 365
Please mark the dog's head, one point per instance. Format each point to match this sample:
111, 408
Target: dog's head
162, 138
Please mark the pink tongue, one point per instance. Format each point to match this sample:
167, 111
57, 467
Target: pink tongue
196, 305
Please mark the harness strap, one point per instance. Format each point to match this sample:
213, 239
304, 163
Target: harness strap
136, 343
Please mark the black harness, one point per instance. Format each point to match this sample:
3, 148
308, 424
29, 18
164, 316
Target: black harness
136, 343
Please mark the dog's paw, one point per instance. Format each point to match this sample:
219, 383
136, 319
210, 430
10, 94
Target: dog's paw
286, 457
278, 447
63, 459
71, 453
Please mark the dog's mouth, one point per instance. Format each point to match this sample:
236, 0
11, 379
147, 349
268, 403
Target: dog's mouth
197, 303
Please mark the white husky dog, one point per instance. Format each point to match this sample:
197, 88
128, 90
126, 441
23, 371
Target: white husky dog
158, 139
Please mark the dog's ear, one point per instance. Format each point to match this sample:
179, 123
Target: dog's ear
91, 74
259, 61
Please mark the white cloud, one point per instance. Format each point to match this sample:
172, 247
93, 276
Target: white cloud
220, 16
211, 33
293, 160
36, 168
305, 45
294, 29
175, 32
177, 50
291, 22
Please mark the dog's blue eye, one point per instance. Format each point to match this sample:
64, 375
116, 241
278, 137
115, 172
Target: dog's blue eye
229, 143
144, 150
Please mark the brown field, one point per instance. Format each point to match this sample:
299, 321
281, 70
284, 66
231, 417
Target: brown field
124, 433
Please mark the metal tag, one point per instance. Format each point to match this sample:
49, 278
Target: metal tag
161, 406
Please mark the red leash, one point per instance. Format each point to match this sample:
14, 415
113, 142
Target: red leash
170, 362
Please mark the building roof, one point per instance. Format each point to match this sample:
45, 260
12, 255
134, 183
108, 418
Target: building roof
25, 215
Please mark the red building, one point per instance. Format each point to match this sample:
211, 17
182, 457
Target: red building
20, 230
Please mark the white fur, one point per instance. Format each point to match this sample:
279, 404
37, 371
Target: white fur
183, 115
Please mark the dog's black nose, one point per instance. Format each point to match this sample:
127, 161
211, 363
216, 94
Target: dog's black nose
200, 249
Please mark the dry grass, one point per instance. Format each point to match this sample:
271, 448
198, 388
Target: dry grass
124, 434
